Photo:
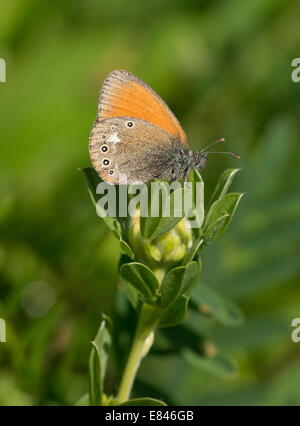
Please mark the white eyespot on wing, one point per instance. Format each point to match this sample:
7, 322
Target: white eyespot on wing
113, 137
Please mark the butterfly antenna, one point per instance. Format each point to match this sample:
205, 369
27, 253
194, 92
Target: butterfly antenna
226, 152
212, 143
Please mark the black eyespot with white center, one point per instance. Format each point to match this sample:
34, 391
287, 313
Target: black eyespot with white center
104, 148
111, 172
129, 124
105, 162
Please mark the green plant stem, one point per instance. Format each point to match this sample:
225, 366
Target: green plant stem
131, 370
140, 347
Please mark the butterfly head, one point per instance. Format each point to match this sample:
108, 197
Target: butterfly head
199, 160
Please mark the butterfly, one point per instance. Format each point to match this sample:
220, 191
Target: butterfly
136, 137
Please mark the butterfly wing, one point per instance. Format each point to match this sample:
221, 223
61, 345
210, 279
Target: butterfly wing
125, 95
121, 154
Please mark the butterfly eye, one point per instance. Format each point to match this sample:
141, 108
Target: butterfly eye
104, 148
105, 162
129, 124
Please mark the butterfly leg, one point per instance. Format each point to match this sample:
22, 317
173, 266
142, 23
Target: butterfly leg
173, 176
185, 174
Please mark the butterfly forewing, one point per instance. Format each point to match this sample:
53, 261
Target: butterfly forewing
125, 95
121, 151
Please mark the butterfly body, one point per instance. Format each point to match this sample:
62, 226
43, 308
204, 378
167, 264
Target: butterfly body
136, 137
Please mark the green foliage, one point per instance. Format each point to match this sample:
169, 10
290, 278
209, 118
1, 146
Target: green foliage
219, 216
176, 312
141, 279
177, 282
210, 303
98, 361
143, 402
219, 364
153, 227
223, 185
160, 295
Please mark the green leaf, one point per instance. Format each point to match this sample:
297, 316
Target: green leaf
219, 363
98, 360
141, 278
220, 215
198, 209
192, 252
223, 185
116, 225
92, 180
172, 285
151, 226
131, 293
192, 275
143, 402
195, 176
84, 400
176, 281
209, 302
256, 333
200, 352
126, 249
175, 313
259, 277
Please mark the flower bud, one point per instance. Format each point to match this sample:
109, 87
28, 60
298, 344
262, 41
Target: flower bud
163, 251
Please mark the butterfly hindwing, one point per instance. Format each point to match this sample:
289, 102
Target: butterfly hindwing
120, 151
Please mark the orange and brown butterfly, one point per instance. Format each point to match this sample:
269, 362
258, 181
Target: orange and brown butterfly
136, 137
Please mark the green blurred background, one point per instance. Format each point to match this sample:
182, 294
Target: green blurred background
224, 67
